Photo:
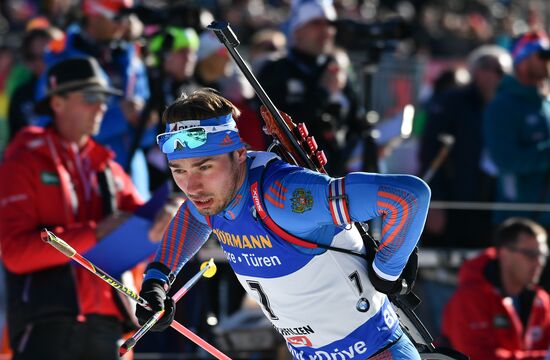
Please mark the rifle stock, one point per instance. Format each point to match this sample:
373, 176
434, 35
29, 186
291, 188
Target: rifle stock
302, 150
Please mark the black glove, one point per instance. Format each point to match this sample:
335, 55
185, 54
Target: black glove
403, 285
154, 291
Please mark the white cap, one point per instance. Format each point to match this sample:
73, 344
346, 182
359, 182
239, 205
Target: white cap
208, 45
304, 11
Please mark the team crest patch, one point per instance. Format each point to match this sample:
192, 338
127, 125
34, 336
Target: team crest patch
49, 178
302, 200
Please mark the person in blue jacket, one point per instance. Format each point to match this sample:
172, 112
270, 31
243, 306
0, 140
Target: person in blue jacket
274, 221
517, 132
516, 129
101, 36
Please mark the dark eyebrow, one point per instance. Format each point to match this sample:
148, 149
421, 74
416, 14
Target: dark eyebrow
195, 164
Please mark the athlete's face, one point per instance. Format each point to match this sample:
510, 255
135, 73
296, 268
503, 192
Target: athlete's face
210, 182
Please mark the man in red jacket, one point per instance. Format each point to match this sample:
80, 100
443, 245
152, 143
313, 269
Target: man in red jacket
497, 311
58, 177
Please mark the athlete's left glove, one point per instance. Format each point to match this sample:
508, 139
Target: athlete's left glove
154, 291
403, 285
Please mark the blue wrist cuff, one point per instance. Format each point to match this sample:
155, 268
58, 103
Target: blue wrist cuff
157, 275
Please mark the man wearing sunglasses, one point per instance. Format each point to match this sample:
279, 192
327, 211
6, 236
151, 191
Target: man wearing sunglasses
60, 178
497, 311
269, 217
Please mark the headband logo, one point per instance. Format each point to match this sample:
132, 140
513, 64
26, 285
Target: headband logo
226, 141
180, 125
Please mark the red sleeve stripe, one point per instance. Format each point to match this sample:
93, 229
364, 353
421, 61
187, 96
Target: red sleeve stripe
170, 239
169, 236
231, 214
331, 207
280, 186
273, 201
401, 208
389, 222
277, 193
173, 239
389, 213
338, 203
404, 207
185, 226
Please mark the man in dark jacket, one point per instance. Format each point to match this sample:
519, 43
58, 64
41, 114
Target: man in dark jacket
302, 84
497, 312
463, 176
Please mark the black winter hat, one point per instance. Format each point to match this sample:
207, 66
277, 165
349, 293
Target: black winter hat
74, 74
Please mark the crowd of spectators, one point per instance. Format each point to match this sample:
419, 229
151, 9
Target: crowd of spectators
483, 84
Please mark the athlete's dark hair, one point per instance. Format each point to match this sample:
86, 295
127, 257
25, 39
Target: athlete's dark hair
198, 105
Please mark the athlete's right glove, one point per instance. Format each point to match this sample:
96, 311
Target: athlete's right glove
154, 292
403, 285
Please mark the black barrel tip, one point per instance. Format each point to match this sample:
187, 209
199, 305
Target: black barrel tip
218, 25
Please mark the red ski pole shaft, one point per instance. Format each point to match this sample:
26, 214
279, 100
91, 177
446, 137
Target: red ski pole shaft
50, 238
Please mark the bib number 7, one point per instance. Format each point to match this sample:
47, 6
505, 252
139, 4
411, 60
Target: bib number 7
254, 285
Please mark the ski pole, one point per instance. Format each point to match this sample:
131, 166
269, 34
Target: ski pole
207, 269
447, 141
50, 238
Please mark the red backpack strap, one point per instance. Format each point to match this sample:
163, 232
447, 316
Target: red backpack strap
260, 163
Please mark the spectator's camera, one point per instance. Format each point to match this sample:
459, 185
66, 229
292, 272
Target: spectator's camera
359, 35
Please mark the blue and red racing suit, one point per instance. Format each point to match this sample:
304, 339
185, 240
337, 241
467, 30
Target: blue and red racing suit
321, 302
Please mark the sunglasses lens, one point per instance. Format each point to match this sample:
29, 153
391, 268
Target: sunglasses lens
94, 97
195, 137
191, 138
